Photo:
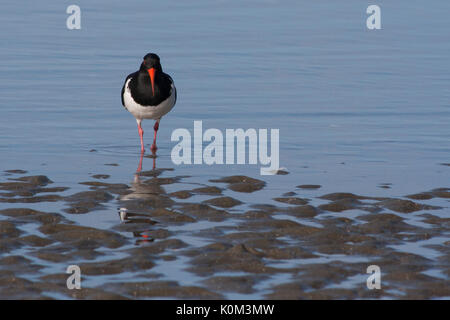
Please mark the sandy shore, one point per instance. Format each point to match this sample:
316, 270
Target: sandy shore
170, 245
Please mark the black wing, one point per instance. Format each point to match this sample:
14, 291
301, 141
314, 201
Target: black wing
173, 83
123, 88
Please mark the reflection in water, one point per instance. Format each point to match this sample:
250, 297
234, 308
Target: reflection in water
153, 156
143, 236
142, 197
127, 217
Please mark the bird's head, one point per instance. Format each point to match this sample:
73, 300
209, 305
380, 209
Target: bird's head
152, 65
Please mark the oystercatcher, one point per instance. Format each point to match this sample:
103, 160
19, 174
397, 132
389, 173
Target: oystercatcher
149, 93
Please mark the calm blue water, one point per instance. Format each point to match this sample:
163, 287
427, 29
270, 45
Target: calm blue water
355, 107
376, 100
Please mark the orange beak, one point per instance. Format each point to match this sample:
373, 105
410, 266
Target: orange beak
151, 73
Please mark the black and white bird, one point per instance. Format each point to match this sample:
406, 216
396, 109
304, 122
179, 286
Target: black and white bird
149, 93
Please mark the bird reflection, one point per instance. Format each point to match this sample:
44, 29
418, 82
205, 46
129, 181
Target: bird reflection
137, 203
142, 235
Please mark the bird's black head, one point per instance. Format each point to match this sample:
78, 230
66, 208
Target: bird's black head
152, 66
151, 60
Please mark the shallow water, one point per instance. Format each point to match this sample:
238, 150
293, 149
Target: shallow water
356, 109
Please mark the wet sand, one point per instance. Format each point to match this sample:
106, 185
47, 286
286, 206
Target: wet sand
206, 243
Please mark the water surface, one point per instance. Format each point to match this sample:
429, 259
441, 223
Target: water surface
356, 108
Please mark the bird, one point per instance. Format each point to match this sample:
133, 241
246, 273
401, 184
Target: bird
149, 93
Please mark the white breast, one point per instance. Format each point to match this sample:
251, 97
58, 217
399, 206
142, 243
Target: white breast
148, 112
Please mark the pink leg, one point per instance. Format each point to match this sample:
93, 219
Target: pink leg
139, 169
155, 127
141, 135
